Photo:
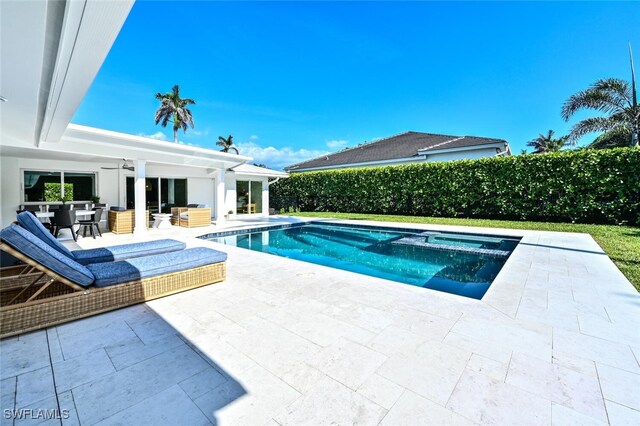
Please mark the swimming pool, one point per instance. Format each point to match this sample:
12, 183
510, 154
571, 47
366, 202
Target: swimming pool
462, 264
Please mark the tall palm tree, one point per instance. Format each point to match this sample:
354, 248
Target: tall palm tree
226, 144
173, 109
612, 139
617, 99
547, 143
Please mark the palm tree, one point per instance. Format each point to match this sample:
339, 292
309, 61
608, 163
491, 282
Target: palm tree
172, 109
547, 143
617, 99
226, 144
612, 139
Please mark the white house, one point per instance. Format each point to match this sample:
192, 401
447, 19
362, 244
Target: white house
407, 148
51, 52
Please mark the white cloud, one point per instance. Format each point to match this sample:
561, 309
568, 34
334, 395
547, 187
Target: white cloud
277, 158
253, 137
157, 135
335, 143
199, 132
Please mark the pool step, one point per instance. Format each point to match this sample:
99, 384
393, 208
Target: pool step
475, 238
420, 240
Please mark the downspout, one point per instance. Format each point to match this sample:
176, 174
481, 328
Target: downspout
273, 181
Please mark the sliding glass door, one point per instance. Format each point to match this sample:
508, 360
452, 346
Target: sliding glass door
248, 197
173, 193
161, 194
255, 195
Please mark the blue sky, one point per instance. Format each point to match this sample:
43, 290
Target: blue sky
294, 80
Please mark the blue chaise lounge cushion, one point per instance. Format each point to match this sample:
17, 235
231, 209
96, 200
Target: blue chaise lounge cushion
127, 251
31, 223
31, 246
123, 271
103, 254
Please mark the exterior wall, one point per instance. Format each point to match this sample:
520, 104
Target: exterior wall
12, 171
463, 155
230, 199
400, 162
111, 184
201, 191
200, 184
231, 195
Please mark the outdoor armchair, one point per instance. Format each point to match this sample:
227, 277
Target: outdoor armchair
190, 217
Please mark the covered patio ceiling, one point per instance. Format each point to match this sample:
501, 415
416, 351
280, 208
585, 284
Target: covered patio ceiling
51, 52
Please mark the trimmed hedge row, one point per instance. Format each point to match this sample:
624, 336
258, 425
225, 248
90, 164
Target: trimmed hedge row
589, 186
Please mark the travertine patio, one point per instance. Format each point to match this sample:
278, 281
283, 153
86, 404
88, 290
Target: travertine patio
554, 341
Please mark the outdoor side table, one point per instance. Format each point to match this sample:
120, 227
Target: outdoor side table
161, 220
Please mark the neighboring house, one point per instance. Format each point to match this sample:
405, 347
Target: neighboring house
51, 52
407, 148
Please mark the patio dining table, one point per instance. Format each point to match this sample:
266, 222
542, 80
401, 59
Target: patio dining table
78, 213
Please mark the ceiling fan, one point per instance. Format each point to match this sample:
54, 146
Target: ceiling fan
125, 166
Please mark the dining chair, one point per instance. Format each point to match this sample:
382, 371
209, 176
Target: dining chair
65, 219
91, 223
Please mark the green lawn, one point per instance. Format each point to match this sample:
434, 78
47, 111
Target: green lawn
622, 243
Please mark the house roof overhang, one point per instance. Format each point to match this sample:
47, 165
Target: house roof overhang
51, 52
251, 170
500, 145
81, 142
378, 163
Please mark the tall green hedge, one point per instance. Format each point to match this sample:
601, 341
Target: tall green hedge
591, 186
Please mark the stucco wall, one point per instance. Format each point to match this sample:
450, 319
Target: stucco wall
200, 183
230, 199
12, 170
463, 155
111, 184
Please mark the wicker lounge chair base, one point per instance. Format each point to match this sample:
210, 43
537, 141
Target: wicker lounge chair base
50, 299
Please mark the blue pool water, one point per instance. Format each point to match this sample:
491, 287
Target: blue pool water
462, 264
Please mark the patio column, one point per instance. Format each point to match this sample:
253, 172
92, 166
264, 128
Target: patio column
140, 225
221, 191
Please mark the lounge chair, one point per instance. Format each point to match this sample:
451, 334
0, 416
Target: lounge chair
102, 254
64, 290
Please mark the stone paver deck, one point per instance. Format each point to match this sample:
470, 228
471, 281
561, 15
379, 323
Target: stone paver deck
554, 341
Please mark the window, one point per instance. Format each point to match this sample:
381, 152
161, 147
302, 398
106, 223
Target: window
248, 196
51, 186
82, 184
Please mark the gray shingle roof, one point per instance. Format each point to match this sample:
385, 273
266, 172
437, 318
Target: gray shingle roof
404, 145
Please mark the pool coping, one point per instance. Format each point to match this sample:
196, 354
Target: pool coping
339, 222
507, 291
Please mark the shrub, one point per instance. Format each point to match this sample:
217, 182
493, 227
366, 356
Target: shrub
53, 192
590, 186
